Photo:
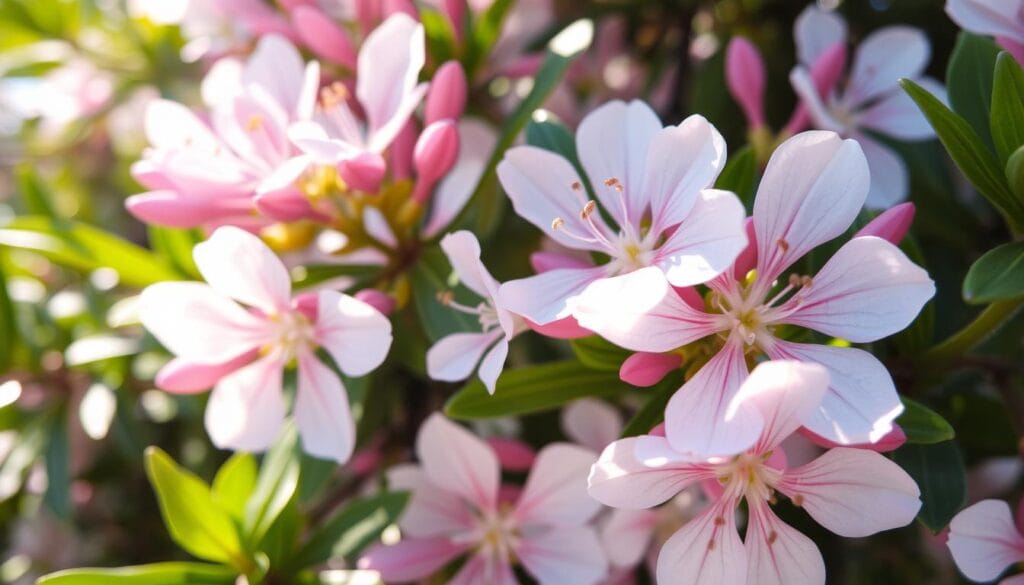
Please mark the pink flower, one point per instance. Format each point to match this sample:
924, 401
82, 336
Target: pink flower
985, 540
812, 189
1003, 19
872, 99
639, 171
223, 170
239, 332
851, 492
455, 356
455, 511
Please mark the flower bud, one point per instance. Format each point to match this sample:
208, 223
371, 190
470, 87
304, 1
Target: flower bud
435, 153
363, 172
323, 36
377, 299
891, 225
447, 97
745, 78
647, 369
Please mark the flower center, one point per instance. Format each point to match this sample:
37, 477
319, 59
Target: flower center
485, 312
746, 310
749, 475
496, 534
294, 332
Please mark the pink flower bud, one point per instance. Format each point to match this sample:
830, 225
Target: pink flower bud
513, 454
892, 224
647, 369
434, 155
456, 12
363, 172
401, 151
323, 36
1013, 47
447, 97
307, 303
829, 68
184, 377
379, 300
745, 77
291, 5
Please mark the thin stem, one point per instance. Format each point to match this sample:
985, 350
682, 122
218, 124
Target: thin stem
977, 331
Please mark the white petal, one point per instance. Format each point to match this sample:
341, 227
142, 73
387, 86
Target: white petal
246, 408
566, 554
378, 228
411, 560
987, 17
896, 115
707, 242
356, 335
593, 423
277, 67
779, 554
556, 490
785, 393
463, 252
239, 265
322, 412
853, 492
889, 179
707, 551
642, 472
389, 65
814, 31
454, 357
492, 364
868, 290
457, 461
549, 296
484, 568
883, 58
984, 540
626, 536
431, 511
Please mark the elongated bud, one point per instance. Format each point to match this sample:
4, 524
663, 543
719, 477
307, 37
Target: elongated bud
323, 36
435, 153
379, 300
647, 369
447, 97
745, 77
401, 152
892, 224
456, 12
364, 172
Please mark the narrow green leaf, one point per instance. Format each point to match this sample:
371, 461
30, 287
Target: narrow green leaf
485, 31
350, 531
923, 425
8, 324
193, 518
997, 275
36, 195
939, 471
532, 389
969, 77
234, 484
277, 483
652, 413
1007, 116
1015, 174
58, 467
740, 174
598, 353
155, 574
175, 245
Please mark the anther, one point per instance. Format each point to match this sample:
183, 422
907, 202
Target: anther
445, 297
806, 281
576, 186
588, 209
254, 123
557, 223
611, 182
794, 280
798, 500
772, 537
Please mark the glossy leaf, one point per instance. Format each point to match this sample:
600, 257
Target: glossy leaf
939, 471
598, 353
234, 484
997, 275
431, 276
923, 425
740, 174
1007, 115
277, 483
969, 78
652, 413
351, 530
155, 574
545, 131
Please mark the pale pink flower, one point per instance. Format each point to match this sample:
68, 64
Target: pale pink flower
812, 189
1003, 19
653, 181
456, 510
213, 28
226, 169
985, 540
240, 331
455, 356
851, 492
872, 100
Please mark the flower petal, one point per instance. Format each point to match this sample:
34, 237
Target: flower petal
322, 412
626, 536
463, 252
897, 115
389, 66
492, 364
457, 461
707, 242
868, 290
431, 511
642, 472
277, 67
987, 17
883, 58
889, 179
785, 393
853, 492
454, 356
706, 551
411, 560
239, 265
182, 376
484, 568
556, 490
984, 540
779, 554
566, 554
550, 296
246, 408
476, 142
356, 335
814, 31
593, 423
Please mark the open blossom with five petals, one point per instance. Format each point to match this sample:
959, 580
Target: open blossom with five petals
652, 181
851, 492
241, 330
1002, 19
872, 101
812, 189
455, 356
985, 540
459, 509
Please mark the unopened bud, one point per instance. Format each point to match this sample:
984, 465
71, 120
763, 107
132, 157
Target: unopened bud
745, 78
447, 97
434, 155
323, 36
364, 172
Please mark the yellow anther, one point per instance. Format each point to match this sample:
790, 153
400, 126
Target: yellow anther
557, 223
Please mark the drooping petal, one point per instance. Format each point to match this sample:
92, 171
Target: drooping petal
195, 323
642, 472
889, 179
593, 423
861, 403
356, 335
411, 560
322, 411
549, 296
868, 290
703, 418
493, 363
883, 58
640, 311
706, 551
814, 31
785, 393
239, 265
457, 461
626, 534
707, 241
454, 357
565, 554
984, 540
813, 188
853, 492
779, 554
613, 143
389, 65
431, 511
172, 208
463, 252
246, 408
556, 490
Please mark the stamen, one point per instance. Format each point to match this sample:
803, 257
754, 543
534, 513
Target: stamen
557, 223
447, 298
588, 209
254, 123
333, 94
798, 501
577, 186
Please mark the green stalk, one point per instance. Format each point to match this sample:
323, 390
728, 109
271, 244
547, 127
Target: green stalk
977, 331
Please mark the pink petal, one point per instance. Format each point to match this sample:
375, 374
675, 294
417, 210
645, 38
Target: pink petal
642, 472
513, 454
853, 492
390, 61
476, 141
457, 461
745, 77
984, 540
431, 511
786, 393
592, 423
363, 171
484, 568
779, 554
322, 411
169, 124
356, 335
323, 36
454, 356
645, 369
627, 534
544, 261
246, 409
640, 311
550, 296
277, 67
566, 554
239, 265
613, 143
411, 560
707, 242
556, 490
463, 252
565, 328
181, 376
892, 440
492, 364
891, 225
883, 58
897, 115
889, 178
812, 190
172, 208
707, 550
815, 30
987, 17
868, 290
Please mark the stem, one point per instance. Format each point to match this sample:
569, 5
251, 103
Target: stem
977, 331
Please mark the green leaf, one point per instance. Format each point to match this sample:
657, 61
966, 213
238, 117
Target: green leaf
652, 412
277, 484
923, 425
597, 353
969, 79
8, 324
234, 484
58, 467
193, 518
997, 275
1015, 173
970, 154
545, 131
175, 245
532, 389
484, 34
1007, 116
939, 471
86, 248
430, 276
740, 174
34, 193
155, 574
351, 530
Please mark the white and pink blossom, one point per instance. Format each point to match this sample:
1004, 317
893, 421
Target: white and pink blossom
985, 539
243, 328
1002, 19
